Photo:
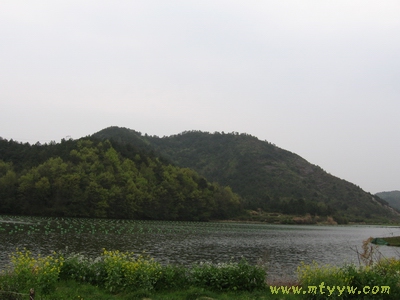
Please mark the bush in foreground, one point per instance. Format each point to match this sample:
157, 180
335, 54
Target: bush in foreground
118, 271
228, 276
365, 282
28, 271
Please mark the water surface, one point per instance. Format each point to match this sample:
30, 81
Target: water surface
281, 247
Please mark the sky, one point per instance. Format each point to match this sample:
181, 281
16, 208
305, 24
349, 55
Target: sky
318, 78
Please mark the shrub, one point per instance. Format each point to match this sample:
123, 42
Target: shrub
125, 271
385, 272
83, 269
228, 276
382, 273
173, 277
27, 271
314, 274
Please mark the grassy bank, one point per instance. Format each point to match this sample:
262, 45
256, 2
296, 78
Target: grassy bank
123, 274
117, 275
72, 290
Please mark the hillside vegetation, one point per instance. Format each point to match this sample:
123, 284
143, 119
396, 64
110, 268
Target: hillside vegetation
393, 198
92, 178
120, 173
267, 177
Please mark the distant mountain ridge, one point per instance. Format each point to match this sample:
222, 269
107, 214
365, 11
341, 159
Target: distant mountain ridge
393, 198
264, 175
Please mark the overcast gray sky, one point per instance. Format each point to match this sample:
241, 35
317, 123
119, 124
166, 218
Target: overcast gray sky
318, 78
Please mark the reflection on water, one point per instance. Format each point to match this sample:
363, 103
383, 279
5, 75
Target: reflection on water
282, 247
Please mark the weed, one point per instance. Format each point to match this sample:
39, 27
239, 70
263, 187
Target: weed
228, 276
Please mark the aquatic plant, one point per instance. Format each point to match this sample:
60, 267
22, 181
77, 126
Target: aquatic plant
14, 225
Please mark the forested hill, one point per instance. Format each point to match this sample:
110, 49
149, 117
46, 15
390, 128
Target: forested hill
265, 176
93, 178
392, 197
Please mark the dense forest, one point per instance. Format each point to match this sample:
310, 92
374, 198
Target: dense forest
267, 177
93, 178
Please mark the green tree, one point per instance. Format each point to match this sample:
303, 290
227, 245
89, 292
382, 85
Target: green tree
8, 188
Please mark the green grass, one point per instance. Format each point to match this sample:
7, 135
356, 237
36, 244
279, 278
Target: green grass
72, 290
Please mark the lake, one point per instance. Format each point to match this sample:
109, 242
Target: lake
281, 247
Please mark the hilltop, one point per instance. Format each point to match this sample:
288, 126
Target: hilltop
266, 177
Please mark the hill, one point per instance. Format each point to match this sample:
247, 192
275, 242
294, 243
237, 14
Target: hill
93, 178
393, 198
267, 177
